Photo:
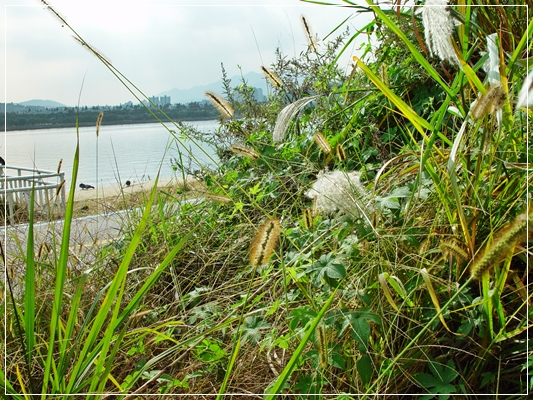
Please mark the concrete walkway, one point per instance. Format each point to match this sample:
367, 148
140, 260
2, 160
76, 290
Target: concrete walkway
88, 235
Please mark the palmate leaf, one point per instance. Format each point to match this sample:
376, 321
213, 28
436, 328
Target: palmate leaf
329, 268
441, 380
357, 322
251, 331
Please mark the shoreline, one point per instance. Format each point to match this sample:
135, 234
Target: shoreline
116, 197
114, 191
89, 124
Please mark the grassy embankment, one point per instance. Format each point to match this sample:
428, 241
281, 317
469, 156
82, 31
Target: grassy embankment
362, 234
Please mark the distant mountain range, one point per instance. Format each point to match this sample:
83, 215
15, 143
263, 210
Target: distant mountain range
41, 103
197, 93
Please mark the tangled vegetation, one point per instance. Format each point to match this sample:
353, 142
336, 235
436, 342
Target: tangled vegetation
362, 234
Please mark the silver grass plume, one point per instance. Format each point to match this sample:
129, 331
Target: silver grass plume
286, 115
92, 50
223, 107
525, 97
54, 12
438, 29
340, 190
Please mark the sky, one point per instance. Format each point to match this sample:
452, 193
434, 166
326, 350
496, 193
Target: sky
158, 45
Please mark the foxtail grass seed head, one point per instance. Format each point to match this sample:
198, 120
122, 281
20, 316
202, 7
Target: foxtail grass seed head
60, 187
264, 242
59, 166
500, 247
339, 190
311, 39
99, 122
525, 97
322, 142
272, 77
339, 150
322, 346
438, 29
451, 248
43, 249
490, 102
244, 151
219, 198
223, 107
307, 216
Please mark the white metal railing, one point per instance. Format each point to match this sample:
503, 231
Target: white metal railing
16, 184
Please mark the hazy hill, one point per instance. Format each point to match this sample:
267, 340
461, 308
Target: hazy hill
196, 93
41, 103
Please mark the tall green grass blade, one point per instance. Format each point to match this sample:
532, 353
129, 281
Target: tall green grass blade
284, 375
414, 51
29, 293
66, 356
152, 279
471, 76
454, 185
118, 342
60, 274
113, 295
525, 40
419, 122
229, 368
384, 374
486, 290
8, 389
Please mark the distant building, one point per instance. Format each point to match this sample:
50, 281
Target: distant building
154, 100
13, 108
157, 101
164, 101
257, 95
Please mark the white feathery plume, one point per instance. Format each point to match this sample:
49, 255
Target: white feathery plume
525, 97
286, 115
438, 29
340, 190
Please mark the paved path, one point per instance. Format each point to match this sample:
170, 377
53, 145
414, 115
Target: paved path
87, 236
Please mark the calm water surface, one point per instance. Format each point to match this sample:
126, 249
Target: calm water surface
120, 153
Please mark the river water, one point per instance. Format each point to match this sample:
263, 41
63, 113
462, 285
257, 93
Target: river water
120, 152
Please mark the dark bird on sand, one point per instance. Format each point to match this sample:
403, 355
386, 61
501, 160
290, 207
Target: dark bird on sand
83, 186
128, 183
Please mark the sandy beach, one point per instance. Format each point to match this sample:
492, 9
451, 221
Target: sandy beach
116, 197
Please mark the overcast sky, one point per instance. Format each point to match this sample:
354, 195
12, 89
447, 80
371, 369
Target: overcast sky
159, 45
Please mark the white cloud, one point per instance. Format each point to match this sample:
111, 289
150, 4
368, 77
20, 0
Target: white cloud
157, 46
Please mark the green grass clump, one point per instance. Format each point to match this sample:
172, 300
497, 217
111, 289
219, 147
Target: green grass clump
360, 234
